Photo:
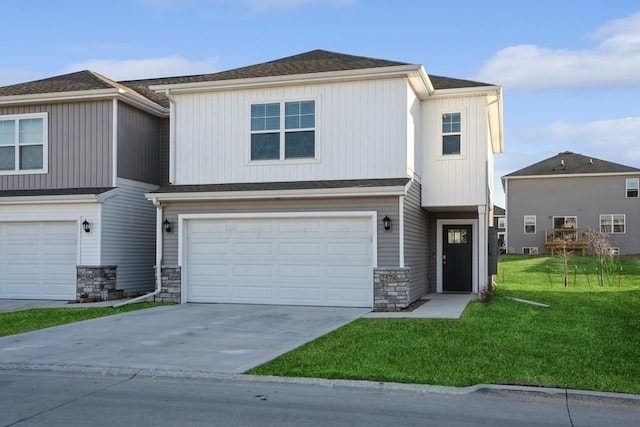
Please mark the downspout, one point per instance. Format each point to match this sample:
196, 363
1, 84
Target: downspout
158, 206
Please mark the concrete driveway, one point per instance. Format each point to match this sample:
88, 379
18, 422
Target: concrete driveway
221, 338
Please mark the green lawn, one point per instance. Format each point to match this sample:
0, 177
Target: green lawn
588, 339
29, 320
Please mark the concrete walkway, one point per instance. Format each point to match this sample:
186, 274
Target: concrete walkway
438, 306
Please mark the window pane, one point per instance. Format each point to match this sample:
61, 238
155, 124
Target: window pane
618, 223
7, 132
31, 157
7, 158
272, 110
292, 122
30, 131
299, 144
292, 108
451, 122
307, 107
265, 117
257, 123
307, 121
632, 187
299, 115
451, 144
265, 146
272, 123
605, 223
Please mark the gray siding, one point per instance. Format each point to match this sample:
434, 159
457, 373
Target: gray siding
416, 242
164, 152
433, 241
129, 236
388, 249
139, 145
584, 197
80, 153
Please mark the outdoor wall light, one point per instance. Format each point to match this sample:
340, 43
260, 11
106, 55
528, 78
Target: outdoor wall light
85, 226
386, 221
166, 225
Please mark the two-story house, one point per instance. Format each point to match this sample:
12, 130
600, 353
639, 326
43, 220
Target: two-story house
554, 203
77, 154
326, 179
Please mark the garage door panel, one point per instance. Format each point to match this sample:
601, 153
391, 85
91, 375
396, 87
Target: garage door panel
38, 260
281, 260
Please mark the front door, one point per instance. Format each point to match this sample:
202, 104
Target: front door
457, 257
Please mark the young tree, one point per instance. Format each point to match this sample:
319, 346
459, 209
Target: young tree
601, 247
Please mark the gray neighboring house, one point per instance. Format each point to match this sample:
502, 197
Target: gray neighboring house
77, 154
500, 225
555, 201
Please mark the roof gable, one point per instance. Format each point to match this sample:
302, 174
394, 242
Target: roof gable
568, 163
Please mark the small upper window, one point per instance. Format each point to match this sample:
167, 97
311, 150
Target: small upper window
23, 143
501, 222
278, 137
632, 185
529, 224
451, 133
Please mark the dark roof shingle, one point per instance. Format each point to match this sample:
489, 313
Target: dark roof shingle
568, 163
55, 192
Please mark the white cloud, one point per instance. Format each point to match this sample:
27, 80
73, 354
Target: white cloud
614, 62
129, 69
616, 140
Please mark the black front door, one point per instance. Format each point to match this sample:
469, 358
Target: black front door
457, 256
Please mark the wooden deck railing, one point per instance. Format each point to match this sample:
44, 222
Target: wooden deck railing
566, 238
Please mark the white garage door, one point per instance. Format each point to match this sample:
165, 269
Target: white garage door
294, 261
38, 260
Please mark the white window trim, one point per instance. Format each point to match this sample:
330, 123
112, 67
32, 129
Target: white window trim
533, 250
614, 251
45, 144
282, 132
535, 224
626, 187
463, 134
553, 220
502, 220
624, 217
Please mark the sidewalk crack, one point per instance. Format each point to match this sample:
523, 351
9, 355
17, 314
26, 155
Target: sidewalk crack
566, 399
70, 401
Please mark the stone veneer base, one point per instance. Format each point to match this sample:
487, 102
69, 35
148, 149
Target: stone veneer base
390, 288
96, 283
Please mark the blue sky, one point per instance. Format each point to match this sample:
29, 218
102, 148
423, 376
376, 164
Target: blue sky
570, 69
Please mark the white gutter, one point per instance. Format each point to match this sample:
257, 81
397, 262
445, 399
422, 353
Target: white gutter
158, 288
294, 79
281, 194
114, 143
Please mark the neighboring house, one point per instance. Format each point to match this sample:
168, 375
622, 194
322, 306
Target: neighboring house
553, 203
326, 179
77, 154
500, 225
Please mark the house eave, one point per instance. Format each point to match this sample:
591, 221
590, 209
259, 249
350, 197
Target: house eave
51, 199
85, 95
413, 72
399, 190
466, 91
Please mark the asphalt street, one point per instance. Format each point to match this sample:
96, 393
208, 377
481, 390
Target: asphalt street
45, 398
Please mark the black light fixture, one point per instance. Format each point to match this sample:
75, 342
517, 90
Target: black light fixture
386, 221
166, 225
85, 226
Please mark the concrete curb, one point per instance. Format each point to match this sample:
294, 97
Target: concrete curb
582, 396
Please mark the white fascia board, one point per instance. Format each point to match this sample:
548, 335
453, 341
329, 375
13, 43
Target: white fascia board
280, 194
86, 95
466, 91
573, 175
294, 79
496, 121
52, 199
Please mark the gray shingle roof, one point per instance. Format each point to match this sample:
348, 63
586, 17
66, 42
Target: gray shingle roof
497, 210
568, 163
315, 61
55, 192
300, 185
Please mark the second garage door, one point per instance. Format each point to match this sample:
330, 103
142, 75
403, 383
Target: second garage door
38, 260
326, 261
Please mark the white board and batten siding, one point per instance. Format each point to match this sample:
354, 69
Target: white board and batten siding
361, 132
128, 235
322, 259
40, 246
456, 180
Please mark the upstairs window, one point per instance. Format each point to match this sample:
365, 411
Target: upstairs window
613, 223
277, 136
23, 143
451, 133
632, 187
529, 224
502, 222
